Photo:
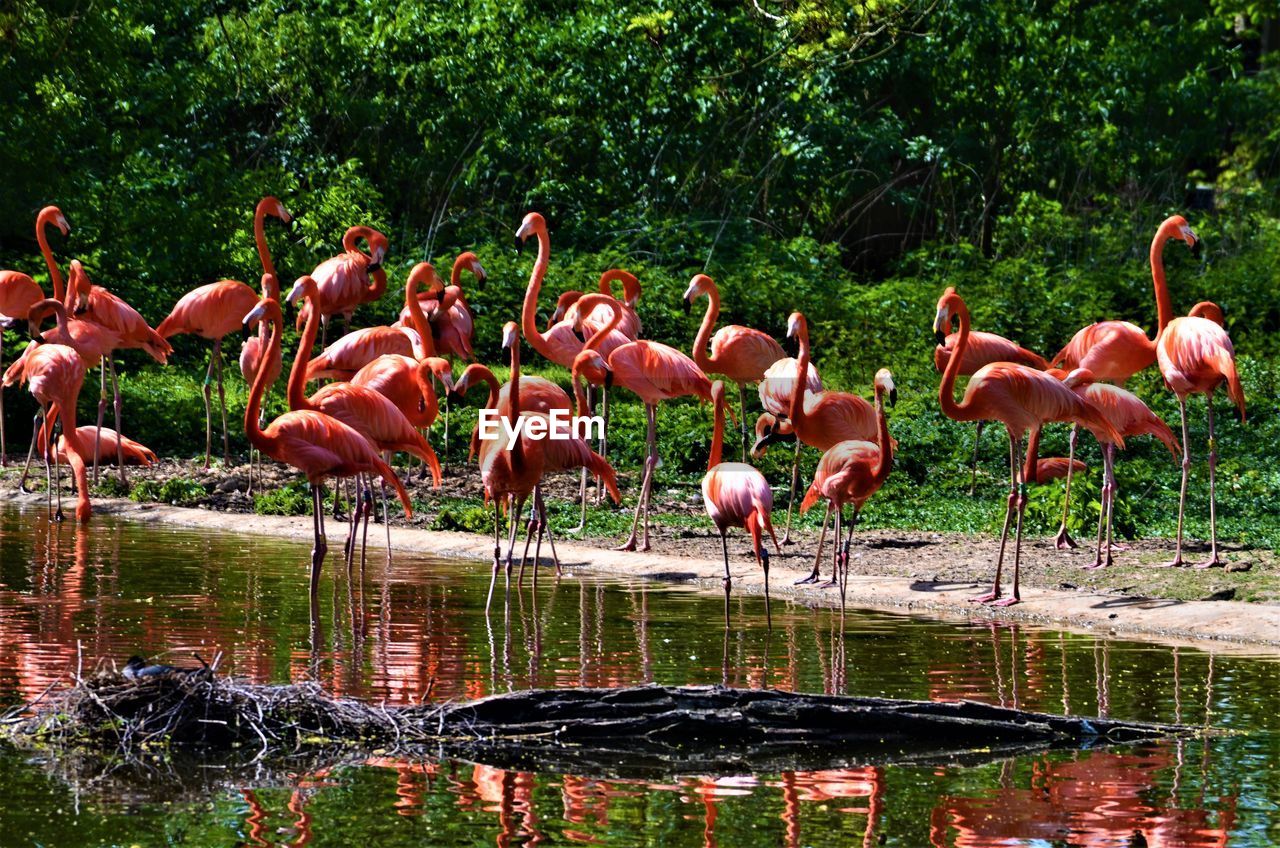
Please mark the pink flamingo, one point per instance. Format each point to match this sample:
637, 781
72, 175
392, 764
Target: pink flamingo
408, 383
216, 310
1196, 356
741, 354
18, 293
984, 348
135, 453
653, 371
566, 305
450, 316
1114, 351
1022, 399
1130, 417
351, 278
316, 444
737, 495
850, 472
1038, 469
537, 394
775, 392
342, 359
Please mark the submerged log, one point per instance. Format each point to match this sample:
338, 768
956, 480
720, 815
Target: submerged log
632, 731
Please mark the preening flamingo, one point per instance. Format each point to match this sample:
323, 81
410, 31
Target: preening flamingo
1195, 357
775, 392
737, 495
1130, 417
316, 444
54, 374
653, 371
741, 354
850, 472
567, 310
342, 359
408, 383
452, 324
1113, 351
217, 310
984, 348
135, 453
18, 292
351, 278
1019, 397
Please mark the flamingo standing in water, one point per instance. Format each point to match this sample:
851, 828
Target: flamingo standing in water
1196, 357
1022, 399
850, 472
775, 392
984, 348
18, 293
316, 444
349, 279
737, 495
739, 353
216, 310
653, 371
1130, 417
1114, 351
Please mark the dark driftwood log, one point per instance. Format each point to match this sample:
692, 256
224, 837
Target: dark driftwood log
634, 731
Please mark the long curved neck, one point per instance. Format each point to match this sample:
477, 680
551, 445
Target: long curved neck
271, 291
481, 372
529, 310
700, 343
417, 318
253, 409
717, 433
587, 305
946, 391
1164, 304
260, 237
513, 400
298, 373
55, 275
881, 472
579, 393
796, 412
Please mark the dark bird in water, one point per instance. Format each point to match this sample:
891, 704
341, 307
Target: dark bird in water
137, 669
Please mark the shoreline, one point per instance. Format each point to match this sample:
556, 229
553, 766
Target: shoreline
1230, 626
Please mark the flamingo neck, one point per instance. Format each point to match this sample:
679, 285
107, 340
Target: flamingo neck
260, 237
482, 372
1164, 304
717, 433
881, 472
55, 274
946, 391
253, 430
796, 413
579, 393
529, 309
630, 285
700, 343
513, 400
587, 305
297, 390
271, 291
416, 316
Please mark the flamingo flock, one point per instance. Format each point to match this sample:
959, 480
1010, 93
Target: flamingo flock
384, 387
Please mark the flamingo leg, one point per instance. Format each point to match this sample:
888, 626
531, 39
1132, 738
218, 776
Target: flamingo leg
119, 408
222, 403
37, 423
1103, 513
531, 526
604, 438
1004, 533
102, 411
844, 558
1111, 499
1021, 506
497, 551
320, 547
52, 447
973, 474
582, 498
1186, 472
817, 560
551, 539
4, 451
514, 516
650, 466
207, 391
728, 581
1063, 540
1213, 561
791, 502
364, 538
48, 475
835, 550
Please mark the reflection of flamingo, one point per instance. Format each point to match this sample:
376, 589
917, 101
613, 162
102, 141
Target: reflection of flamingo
741, 354
1196, 356
737, 495
1022, 399
833, 785
317, 445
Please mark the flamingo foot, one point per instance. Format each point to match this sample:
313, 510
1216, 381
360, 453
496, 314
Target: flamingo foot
26, 491
629, 545
829, 584
1116, 546
812, 578
1212, 562
59, 517
1176, 562
1063, 540
1006, 602
994, 594
1097, 564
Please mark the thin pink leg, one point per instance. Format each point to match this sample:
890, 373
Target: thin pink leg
1182, 497
1212, 561
1063, 540
1004, 533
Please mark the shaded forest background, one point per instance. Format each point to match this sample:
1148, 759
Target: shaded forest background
845, 157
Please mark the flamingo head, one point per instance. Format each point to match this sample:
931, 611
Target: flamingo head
36, 315
700, 284
510, 335
424, 274
533, 224
591, 365
79, 286
770, 430
477, 270
440, 368
563, 303
271, 205
1079, 378
270, 286
303, 287
377, 244
1177, 227
947, 308
884, 384
265, 309
53, 215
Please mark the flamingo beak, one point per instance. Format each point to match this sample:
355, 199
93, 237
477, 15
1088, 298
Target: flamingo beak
608, 379
688, 304
480, 274
893, 396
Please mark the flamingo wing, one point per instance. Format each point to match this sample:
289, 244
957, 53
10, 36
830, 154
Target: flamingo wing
211, 311
658, 372
1112, 350
17, 293
1196, 355
743, 354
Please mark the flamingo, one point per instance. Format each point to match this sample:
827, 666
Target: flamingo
18, 292
850, 472
95, 304
737, 495
1130, 417
775, 396
537, 394
316, 444
351, 278
512, 469
984, 348
360, 407
1195, 357
408, 383
1113, 351
653, 371
54, 374
566, 305
342, 359
135, 453
1022, 399
450, 316
741, 354
216, 310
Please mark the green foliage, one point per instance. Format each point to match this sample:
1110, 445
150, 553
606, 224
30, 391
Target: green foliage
468, 518
294, 498
179, 491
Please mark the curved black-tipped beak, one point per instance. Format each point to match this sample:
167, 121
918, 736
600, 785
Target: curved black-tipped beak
939, 337
453, 397
519, 245
688, 306
580, 334
608, 379
375, 266
481, 280
1195, 249
893, 397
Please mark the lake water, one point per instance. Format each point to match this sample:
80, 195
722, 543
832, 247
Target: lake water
417, 629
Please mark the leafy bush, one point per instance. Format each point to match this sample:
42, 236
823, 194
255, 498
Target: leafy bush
294, 498
179, 491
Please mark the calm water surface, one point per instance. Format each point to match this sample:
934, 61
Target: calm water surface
416, 629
